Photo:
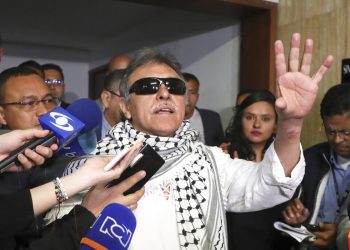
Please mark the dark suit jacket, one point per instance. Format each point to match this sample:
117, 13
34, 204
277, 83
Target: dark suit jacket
12, 186
213, 132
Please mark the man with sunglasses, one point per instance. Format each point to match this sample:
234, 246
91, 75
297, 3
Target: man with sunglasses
54, 79
324, 192
111, 99
185, 201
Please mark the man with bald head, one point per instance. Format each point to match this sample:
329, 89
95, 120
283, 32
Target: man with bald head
118, 62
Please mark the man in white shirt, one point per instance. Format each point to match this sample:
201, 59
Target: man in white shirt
185, 201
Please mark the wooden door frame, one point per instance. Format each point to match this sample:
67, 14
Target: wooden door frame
258, 33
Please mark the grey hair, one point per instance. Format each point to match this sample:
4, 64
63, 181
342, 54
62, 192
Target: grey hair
143, 57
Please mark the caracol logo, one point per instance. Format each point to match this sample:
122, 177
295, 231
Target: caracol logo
111, 227
61, 121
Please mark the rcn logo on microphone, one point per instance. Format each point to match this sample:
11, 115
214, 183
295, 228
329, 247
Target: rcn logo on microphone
113, 229
63, 124
117, 231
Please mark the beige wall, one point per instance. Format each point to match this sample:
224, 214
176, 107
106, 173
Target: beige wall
327, 22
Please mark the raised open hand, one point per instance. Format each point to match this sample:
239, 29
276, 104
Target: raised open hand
296, 90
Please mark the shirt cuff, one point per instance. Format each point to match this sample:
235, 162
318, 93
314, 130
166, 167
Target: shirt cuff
277, 174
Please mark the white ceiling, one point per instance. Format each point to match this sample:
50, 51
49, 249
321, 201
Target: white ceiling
90, 30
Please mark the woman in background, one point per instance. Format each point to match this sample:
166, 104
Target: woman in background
242, 94
252, 129
251, 133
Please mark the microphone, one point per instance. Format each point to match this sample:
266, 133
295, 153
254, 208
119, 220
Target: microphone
63, 126
90, 114
113, 229
81, 117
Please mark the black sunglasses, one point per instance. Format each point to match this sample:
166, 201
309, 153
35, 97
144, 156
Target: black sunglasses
151, 85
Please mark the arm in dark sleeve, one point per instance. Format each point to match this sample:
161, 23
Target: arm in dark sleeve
215, 129
220, 132
66, 232
17, 213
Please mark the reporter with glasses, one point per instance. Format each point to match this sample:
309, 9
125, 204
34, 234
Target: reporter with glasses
324, 192
24, 97
54, 79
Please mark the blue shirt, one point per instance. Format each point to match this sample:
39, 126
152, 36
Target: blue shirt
105, 127
330, 204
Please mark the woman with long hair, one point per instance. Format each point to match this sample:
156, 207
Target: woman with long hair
252, 129
251, 133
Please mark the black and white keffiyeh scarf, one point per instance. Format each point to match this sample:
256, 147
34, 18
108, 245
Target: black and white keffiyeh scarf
197, 195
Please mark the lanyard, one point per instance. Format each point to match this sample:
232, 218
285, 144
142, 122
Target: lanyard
340, 200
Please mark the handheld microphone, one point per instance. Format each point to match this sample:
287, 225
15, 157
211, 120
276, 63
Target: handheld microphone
83, 110
63, 126
90, 114
113, 229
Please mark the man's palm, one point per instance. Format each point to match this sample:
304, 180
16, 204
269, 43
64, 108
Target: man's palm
298, 93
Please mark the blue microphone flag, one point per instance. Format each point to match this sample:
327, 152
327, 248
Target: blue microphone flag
63, 124
64, 127
113, 229
89, 113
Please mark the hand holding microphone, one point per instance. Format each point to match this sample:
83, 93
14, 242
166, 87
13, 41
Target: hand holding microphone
44, 197
64, 128
115, 224
29, 158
